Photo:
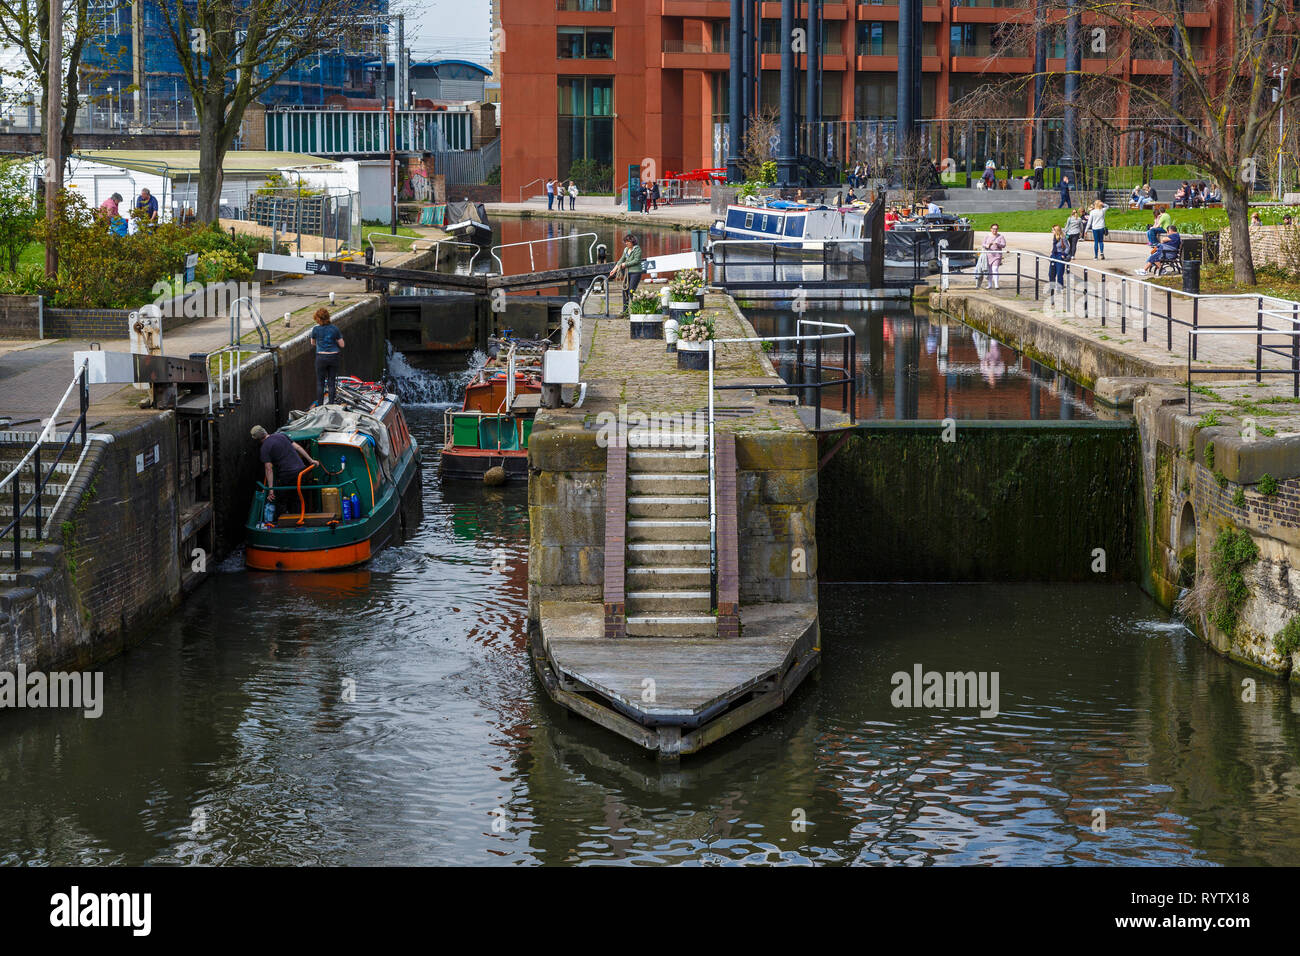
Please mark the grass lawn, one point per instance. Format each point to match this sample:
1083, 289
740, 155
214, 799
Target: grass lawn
377, 230
1119, 177
1218, 278
33, 255
1189, 221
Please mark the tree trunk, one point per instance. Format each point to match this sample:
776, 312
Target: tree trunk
1236, 202
211, 155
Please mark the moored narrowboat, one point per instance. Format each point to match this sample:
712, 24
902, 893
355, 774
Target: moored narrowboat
492, 426
362, 496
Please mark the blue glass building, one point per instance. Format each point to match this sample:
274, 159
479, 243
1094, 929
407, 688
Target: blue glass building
108, 63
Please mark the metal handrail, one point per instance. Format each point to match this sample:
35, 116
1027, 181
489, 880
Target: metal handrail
439, 243
792, 243
532, 264
259, 326
80, 381
539, 179
1080, 275
845, 332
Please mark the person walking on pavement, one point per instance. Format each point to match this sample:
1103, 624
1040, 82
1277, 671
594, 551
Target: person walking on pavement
1065, 193
1097, 223
993, 245
573, 195
1060, 255
1074, 229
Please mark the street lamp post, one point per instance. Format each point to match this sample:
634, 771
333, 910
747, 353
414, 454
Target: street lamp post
110, 109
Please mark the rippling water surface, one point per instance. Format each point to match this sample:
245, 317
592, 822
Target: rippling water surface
229, 735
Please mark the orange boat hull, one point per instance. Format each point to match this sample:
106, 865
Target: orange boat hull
324, 559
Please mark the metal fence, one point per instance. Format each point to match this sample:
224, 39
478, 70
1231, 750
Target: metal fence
168, 107
467, 167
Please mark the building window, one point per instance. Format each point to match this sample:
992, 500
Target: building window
876, 38
584, 43
586, 126
584, 6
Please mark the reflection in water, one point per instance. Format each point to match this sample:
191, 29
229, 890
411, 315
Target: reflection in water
389, 715
914, 364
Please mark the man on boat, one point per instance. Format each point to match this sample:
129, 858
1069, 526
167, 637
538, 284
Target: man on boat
282, 459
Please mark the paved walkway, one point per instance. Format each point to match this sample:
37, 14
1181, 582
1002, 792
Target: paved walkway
1121, 284
686, 216
34, 377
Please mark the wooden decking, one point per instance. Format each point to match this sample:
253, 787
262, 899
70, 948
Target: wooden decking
672, 694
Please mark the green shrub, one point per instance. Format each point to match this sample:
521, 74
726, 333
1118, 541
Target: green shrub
1233, 552
1267, 485
1239, 498
1209, 455
1287, 641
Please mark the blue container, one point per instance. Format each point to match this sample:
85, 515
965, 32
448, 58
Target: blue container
347, 508
356, 506
268, 513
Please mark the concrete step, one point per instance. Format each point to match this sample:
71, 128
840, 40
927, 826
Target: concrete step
668, 578
668, 530
640, 603
8, 577
672, 625
654, 483
8, 459
674, 461
668, 506
666, 554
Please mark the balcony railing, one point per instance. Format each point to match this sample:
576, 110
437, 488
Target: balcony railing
986, 50
682, 46
832, 47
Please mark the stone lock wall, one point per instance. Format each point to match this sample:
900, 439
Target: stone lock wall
776, 497
1191, 498
566, 516
1004, 501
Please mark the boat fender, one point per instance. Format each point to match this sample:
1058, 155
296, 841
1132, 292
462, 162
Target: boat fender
496, 475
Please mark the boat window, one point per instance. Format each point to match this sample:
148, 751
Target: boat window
749, 220
764, 226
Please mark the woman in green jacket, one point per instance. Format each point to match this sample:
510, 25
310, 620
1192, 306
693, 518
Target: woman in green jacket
629, 263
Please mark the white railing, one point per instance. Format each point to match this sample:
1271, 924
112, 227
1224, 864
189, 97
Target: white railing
842, 332
526, 185
530, 243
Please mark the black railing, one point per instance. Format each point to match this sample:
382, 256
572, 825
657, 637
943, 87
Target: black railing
33, 504
1093, 294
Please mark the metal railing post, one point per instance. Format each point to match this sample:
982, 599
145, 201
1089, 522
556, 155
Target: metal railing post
817, 418
1259, 341
36, 486
1169, 322
1190, 336
1196, 322
1017, 275
18, 526
1035, 278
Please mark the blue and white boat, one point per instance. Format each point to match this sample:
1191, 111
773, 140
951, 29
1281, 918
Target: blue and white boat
803, 224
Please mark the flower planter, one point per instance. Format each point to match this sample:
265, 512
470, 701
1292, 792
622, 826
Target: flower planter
693, 305
647, 326
693, 355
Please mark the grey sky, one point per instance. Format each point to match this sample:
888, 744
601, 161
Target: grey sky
449, 28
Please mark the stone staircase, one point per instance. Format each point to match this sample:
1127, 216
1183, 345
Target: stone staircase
667, 534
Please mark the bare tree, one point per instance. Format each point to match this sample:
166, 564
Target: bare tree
1216, 109
25, 26
231, 52
763, 131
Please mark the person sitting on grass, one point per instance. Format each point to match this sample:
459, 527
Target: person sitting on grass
1168, 249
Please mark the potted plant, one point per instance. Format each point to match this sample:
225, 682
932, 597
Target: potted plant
694, 336
647, 322
685, 291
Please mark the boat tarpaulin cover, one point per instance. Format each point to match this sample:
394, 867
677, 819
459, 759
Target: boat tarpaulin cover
462, 211
333, 418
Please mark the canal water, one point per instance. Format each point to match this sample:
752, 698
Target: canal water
390, 716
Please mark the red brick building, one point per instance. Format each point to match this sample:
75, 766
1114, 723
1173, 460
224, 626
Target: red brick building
622, 81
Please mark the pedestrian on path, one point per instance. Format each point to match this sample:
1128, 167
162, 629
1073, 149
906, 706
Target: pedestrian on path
573, 195
655, 195
993, 245
550, 194
1060, 255
1074, 229
1039, 169
1097, 223
1065, 193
